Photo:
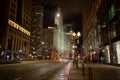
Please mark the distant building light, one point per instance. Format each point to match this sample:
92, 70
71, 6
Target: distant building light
33, 48
74, 46
104, 25
8, 56
43, 42
58, 14
94, 52
2, 53
20, 50
50, 27
34, 52
68, 33
103, 50
37, 13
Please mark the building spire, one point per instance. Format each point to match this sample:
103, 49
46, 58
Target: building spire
58, 17
59, 9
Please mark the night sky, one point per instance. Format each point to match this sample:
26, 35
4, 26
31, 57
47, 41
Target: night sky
71, 12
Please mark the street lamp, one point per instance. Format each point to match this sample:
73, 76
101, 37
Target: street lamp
75, 40
74, 34
76, 37
78, 34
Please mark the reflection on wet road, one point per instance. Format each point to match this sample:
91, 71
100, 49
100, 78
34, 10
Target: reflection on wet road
40, 70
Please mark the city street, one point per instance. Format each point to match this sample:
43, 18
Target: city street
55, 70
35, 70
59, 39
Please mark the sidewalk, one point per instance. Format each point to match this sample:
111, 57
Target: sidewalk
77, 73
100, 72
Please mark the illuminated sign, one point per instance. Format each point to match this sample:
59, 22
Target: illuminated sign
16, 26
112, 12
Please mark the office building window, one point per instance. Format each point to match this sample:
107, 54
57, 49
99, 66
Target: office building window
10, 38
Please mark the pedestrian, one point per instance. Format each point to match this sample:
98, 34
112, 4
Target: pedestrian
76, 60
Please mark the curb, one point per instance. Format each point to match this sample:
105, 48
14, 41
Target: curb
69, 71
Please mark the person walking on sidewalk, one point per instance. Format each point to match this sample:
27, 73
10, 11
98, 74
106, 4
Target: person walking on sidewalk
75, 60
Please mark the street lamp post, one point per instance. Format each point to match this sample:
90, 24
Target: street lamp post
75, 42
75, 39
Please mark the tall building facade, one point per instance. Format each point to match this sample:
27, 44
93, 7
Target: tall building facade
15, 28
89, 19
47, 44
37, 32
60, 37
109, 18
100, 30
58, 31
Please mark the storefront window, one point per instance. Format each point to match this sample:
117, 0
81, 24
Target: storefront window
114, 53
107, 54
118, 53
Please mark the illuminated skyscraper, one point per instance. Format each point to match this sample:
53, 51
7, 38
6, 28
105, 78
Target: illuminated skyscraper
36, 30
60, 40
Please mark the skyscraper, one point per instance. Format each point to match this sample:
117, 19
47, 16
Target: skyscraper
60, 40
36, 30
47, 47
15, 28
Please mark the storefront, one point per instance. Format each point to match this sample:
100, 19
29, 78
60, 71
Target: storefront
107, 54
116, 55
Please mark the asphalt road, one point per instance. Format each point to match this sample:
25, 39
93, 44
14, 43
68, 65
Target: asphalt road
39, 70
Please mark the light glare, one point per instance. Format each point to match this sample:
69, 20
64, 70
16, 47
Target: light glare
58, 15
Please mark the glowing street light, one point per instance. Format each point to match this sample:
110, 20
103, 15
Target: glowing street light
74, 34
78, 34
75, 37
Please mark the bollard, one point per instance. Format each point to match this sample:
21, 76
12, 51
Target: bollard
83, 73
90, 73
